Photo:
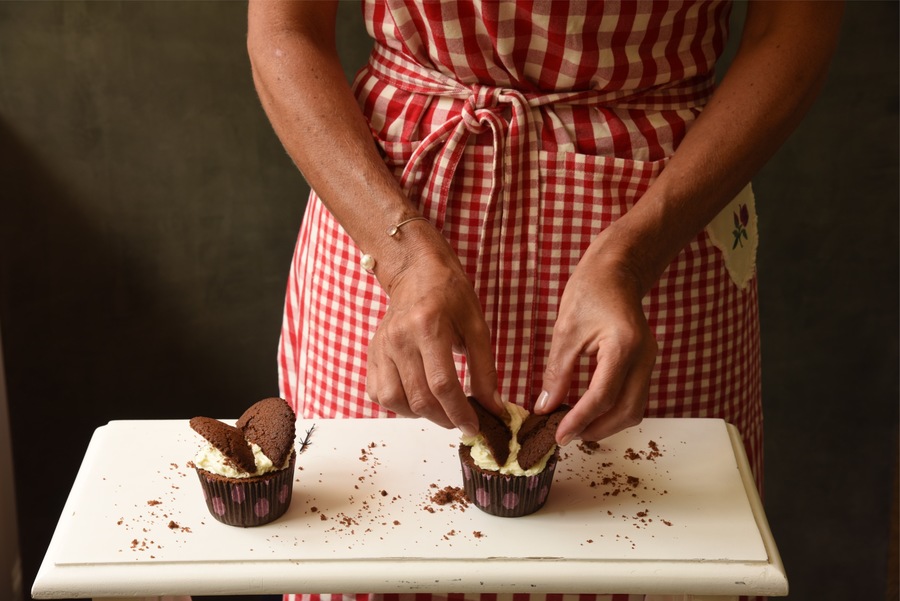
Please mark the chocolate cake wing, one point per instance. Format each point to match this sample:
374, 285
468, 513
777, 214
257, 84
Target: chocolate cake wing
537, 436
228, 440
495, 432
271, 424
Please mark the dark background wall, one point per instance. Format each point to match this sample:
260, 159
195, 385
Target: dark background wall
148, 213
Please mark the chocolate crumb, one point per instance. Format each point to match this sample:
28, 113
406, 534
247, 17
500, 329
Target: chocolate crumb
588, 446
449, 495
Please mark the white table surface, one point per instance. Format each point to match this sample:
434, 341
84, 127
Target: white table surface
620, 518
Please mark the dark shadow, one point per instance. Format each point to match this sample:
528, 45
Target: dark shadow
88, 338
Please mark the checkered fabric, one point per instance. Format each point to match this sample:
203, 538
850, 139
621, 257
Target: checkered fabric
522, 130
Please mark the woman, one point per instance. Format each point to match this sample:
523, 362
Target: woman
540, 202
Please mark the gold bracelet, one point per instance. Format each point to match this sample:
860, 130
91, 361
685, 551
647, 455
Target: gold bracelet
395, 229
367, 261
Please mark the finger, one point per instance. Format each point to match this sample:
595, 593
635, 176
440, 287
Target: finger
626, 413
557, 378
419, 397
444, 384
383, 384
601, 395
623, 406
371, 377
483, 368
402, 385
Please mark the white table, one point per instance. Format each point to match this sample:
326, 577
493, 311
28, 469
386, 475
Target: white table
683, 523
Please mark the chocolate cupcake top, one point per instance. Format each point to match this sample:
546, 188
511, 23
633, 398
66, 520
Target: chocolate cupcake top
228, 440
505, 450
495, 431
537, 436
261, 441
270, 423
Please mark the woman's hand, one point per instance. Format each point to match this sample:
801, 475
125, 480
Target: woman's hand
600, 315
433, 312
776, 74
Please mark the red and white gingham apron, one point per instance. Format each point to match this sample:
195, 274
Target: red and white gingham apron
521, 130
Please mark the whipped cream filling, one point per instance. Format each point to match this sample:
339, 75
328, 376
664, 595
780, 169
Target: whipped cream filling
482, 457
212, 460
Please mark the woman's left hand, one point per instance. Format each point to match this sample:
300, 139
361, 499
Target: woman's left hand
600, 314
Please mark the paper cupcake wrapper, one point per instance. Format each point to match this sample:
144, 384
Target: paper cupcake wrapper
504, 495
250, 502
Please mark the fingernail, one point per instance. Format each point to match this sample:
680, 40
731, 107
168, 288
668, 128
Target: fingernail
498, 400
468, 429
542, 401
566, 439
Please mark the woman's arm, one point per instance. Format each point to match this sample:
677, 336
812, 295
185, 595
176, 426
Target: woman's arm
433, 307
778, 71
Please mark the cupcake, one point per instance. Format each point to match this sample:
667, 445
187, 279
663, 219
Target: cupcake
246, 470
508, 466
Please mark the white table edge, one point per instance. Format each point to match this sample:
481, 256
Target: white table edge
672, 579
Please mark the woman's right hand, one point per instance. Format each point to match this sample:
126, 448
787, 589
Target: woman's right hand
433, 312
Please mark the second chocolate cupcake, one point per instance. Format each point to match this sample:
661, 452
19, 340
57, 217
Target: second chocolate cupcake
508, 467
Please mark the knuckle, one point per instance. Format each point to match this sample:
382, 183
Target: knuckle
442, 384
393, 336
422, 319
479, 329
552, 370
392, 400
631, 419
372, 394
420, 405
630, 340
564, 328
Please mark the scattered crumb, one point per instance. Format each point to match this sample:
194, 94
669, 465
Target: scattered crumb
588, 446
449, 495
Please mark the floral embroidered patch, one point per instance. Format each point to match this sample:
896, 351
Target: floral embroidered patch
734, 232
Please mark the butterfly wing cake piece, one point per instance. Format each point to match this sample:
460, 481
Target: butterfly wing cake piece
271, 424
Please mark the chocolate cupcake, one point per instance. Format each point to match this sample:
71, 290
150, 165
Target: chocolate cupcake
246, 470
508, 467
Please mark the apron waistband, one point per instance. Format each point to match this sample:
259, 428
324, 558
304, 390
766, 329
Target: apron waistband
510, 227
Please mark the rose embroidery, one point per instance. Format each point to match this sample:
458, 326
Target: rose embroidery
741, 219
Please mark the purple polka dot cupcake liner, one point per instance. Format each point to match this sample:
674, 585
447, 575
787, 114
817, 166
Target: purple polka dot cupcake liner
248, 502
505, 495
